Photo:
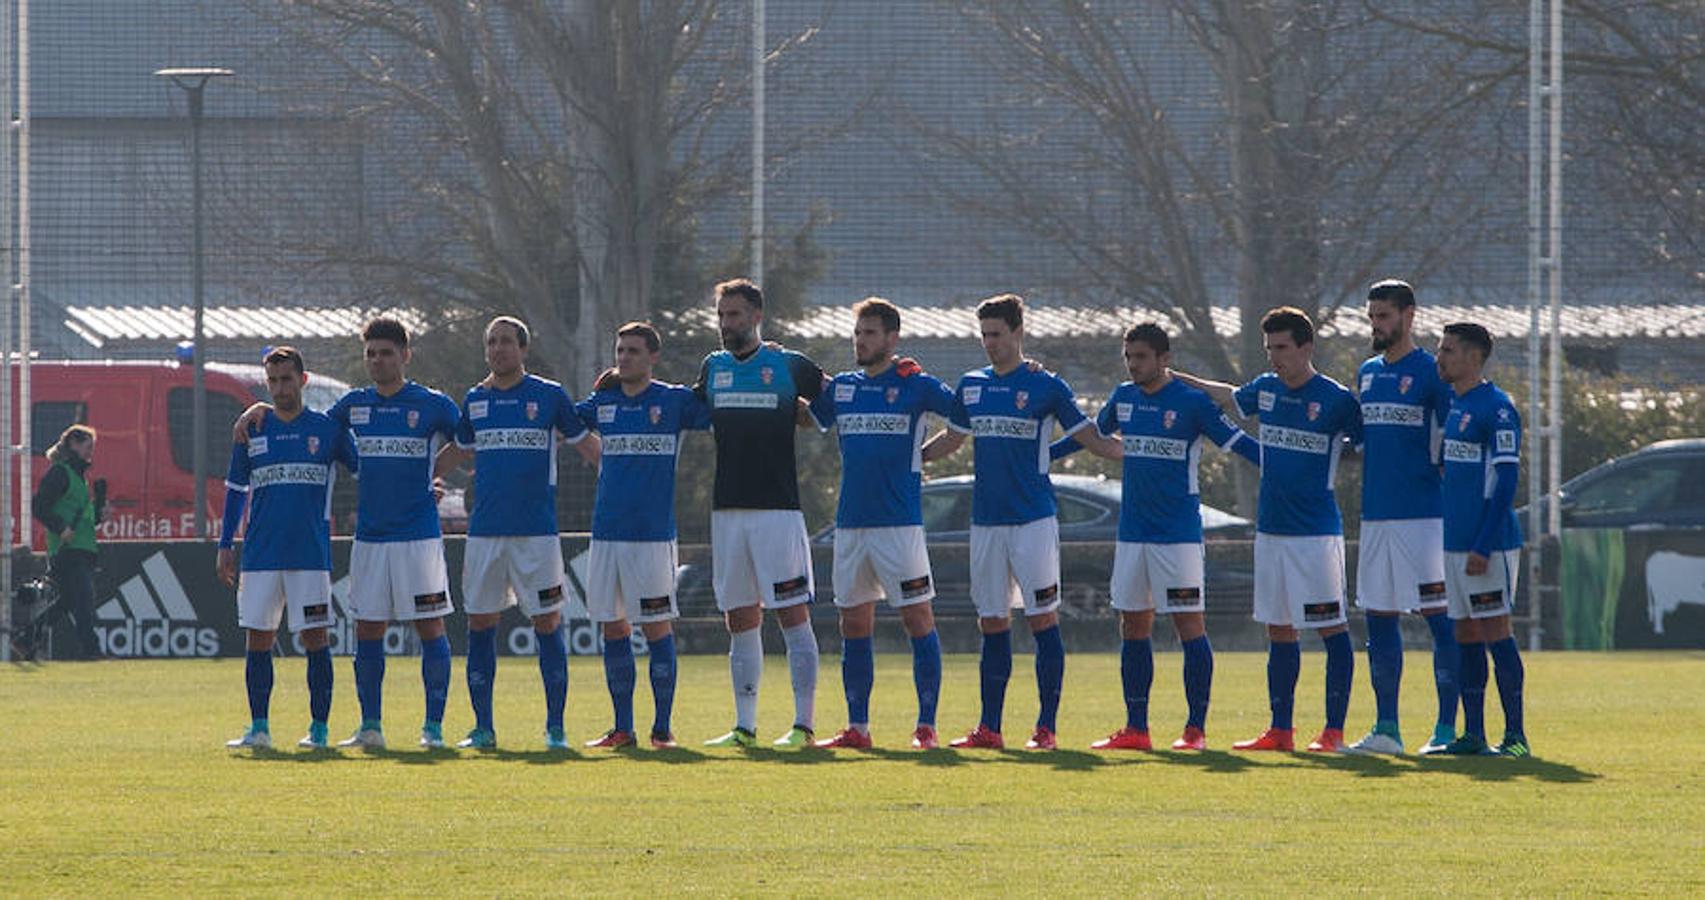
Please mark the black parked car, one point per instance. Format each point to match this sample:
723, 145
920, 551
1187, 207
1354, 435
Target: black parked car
1660, 485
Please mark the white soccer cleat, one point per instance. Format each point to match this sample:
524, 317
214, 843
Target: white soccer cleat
365, 739
252, 740
1376, 744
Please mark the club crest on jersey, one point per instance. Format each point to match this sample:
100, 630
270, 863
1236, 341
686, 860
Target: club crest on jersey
313, 444
767, 374
656, 414
414, 418
1020, 399
532, 410
892, 395
1168, 418
1313, 410
1404, 383
1462, 423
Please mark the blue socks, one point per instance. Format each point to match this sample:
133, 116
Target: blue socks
926, 674
553, 671
1340, 670
619, 676
320, 684
1050, 674
1136, 673
1284, 661
858, 675
482, 672
435, 676
1511, 675
257, 676
1198, 679
370, 678
1447, 666
1385, 665
995, 669
661, 668
1473, 688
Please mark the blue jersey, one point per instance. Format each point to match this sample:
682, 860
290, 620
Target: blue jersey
1011, 419
754, 404
1162, 433
1403, 414
286, 469
513, 433
1302, 435
641, 439
396, 438
1482, 431
881, 426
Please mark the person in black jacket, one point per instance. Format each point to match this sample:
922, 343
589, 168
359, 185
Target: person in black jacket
68, 508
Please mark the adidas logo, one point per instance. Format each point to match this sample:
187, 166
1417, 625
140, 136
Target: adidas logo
145, 617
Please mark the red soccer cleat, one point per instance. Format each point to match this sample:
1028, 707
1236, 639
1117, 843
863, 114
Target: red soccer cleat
1271, 739
850, 738
1331, 740
924, 738
1193, 739
980, 738
1124, 739
613, 739
1040, 739
663, 740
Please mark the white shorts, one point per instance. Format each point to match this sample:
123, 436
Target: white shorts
1171, 571
398, 581
497, 570
1016, 566
632, 580
1401, 566
876, 563
760, 556
1299, 580
1486, 595
264, 595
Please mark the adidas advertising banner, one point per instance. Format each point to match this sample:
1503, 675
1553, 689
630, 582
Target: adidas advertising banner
164, 600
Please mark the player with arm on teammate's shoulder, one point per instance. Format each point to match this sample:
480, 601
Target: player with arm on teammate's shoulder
510, 425
1009, 408
878, 412
1306, 420
1482, 539
283, 475
1158, 563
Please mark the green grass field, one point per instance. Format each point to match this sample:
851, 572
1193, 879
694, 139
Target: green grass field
115, 781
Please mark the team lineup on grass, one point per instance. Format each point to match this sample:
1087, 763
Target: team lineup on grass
1439, 538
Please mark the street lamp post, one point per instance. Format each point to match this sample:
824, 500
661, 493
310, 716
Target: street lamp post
192, 81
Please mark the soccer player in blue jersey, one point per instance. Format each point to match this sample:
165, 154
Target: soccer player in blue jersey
1158, 561
1306, 419
1482, 539
1401, 565
760, 554
396, 565
286, 468
510, 423
1010, 408
878, 411
631, 570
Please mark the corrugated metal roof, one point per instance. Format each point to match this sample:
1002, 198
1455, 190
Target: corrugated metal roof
99, 324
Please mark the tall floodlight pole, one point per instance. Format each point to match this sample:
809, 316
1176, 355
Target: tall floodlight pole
193, 81
759, 42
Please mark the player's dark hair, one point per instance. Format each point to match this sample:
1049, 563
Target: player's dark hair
520, 327
1150, 334
743, 288
1289, 319
878, 308
61, 449
1394, 291
386, 328
1474, 335
645, 330
1009, 308
281, 355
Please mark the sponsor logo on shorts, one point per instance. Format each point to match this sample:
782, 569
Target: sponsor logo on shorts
257, 445
1282, 438
1486, 602
391, 447
316, 615
479, 409
650, 606
1004, 427
554, 592
745, 400
1461, 451
913, 587
1184, 596
1320, 612
512, 439
1047, 594
310, 474
1406, 414
1431, 590
874, 423
638, 444
430, 602
1156, 447
792, 589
